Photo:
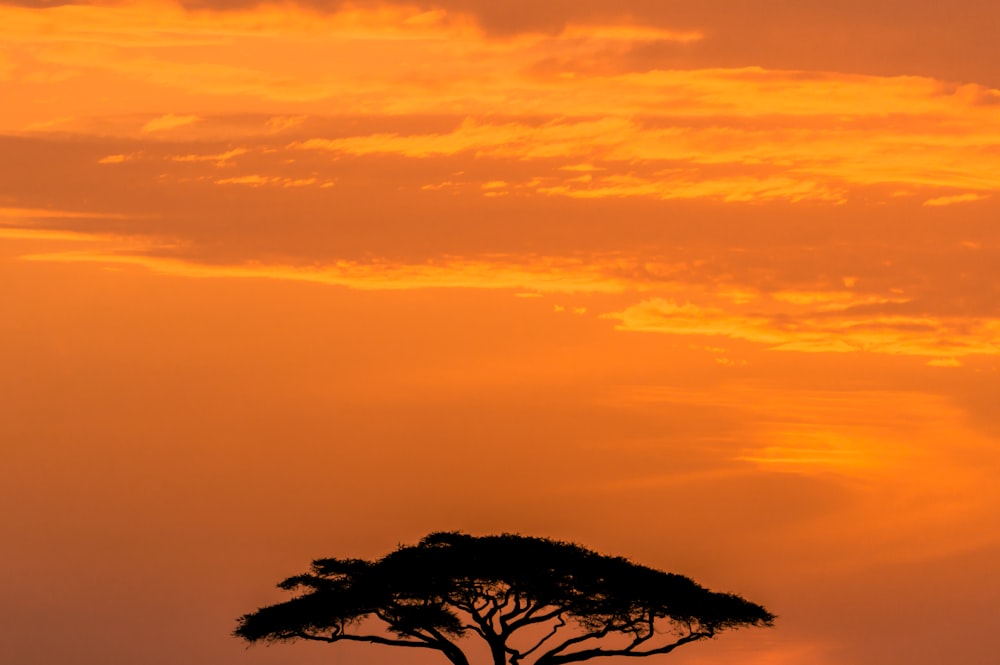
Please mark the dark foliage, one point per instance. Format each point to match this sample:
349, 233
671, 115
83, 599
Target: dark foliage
529, 599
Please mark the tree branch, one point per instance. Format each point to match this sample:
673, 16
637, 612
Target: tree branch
588, 654
555, 651
430, 637
651, 632
449, 648
516, 655
476, 629
517, 611
374, 639
531, 618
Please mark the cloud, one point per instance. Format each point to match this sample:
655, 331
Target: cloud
569, 309
733, 133
811, 329
627, 156
405, 63
516, 140
218, 158
46, 235
541, 276
114, 159
678, 301
30, 224
16, 216
281, 123
730, 190
50, 124
168, 122
944, 362
954, 199
254, 180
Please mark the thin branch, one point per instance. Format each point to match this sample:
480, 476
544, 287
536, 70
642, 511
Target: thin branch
494, 608
555, 651
485, 623
518, 608
465, 607
508, 595
428, 636
374, 639
516, 655
532, 618
392, 626
588, 654
449, 648
516, 612
476, 629
642, 639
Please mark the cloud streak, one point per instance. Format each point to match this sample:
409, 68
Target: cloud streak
723, 133
810, 329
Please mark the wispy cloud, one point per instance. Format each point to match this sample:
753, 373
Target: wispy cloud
734, 134
114, 159
541, 276
14, 216
217, 158
683, 160
168, 122
820, 329
955, 199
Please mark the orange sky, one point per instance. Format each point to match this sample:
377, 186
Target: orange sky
713, 287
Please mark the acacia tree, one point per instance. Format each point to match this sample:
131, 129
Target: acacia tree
532, 601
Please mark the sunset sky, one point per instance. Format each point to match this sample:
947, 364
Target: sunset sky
710, 284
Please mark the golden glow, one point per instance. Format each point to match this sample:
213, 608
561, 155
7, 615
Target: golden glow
711, 285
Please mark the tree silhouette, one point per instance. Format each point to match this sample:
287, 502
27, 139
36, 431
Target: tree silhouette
535, 600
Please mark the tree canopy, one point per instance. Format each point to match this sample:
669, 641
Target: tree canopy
532, 601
